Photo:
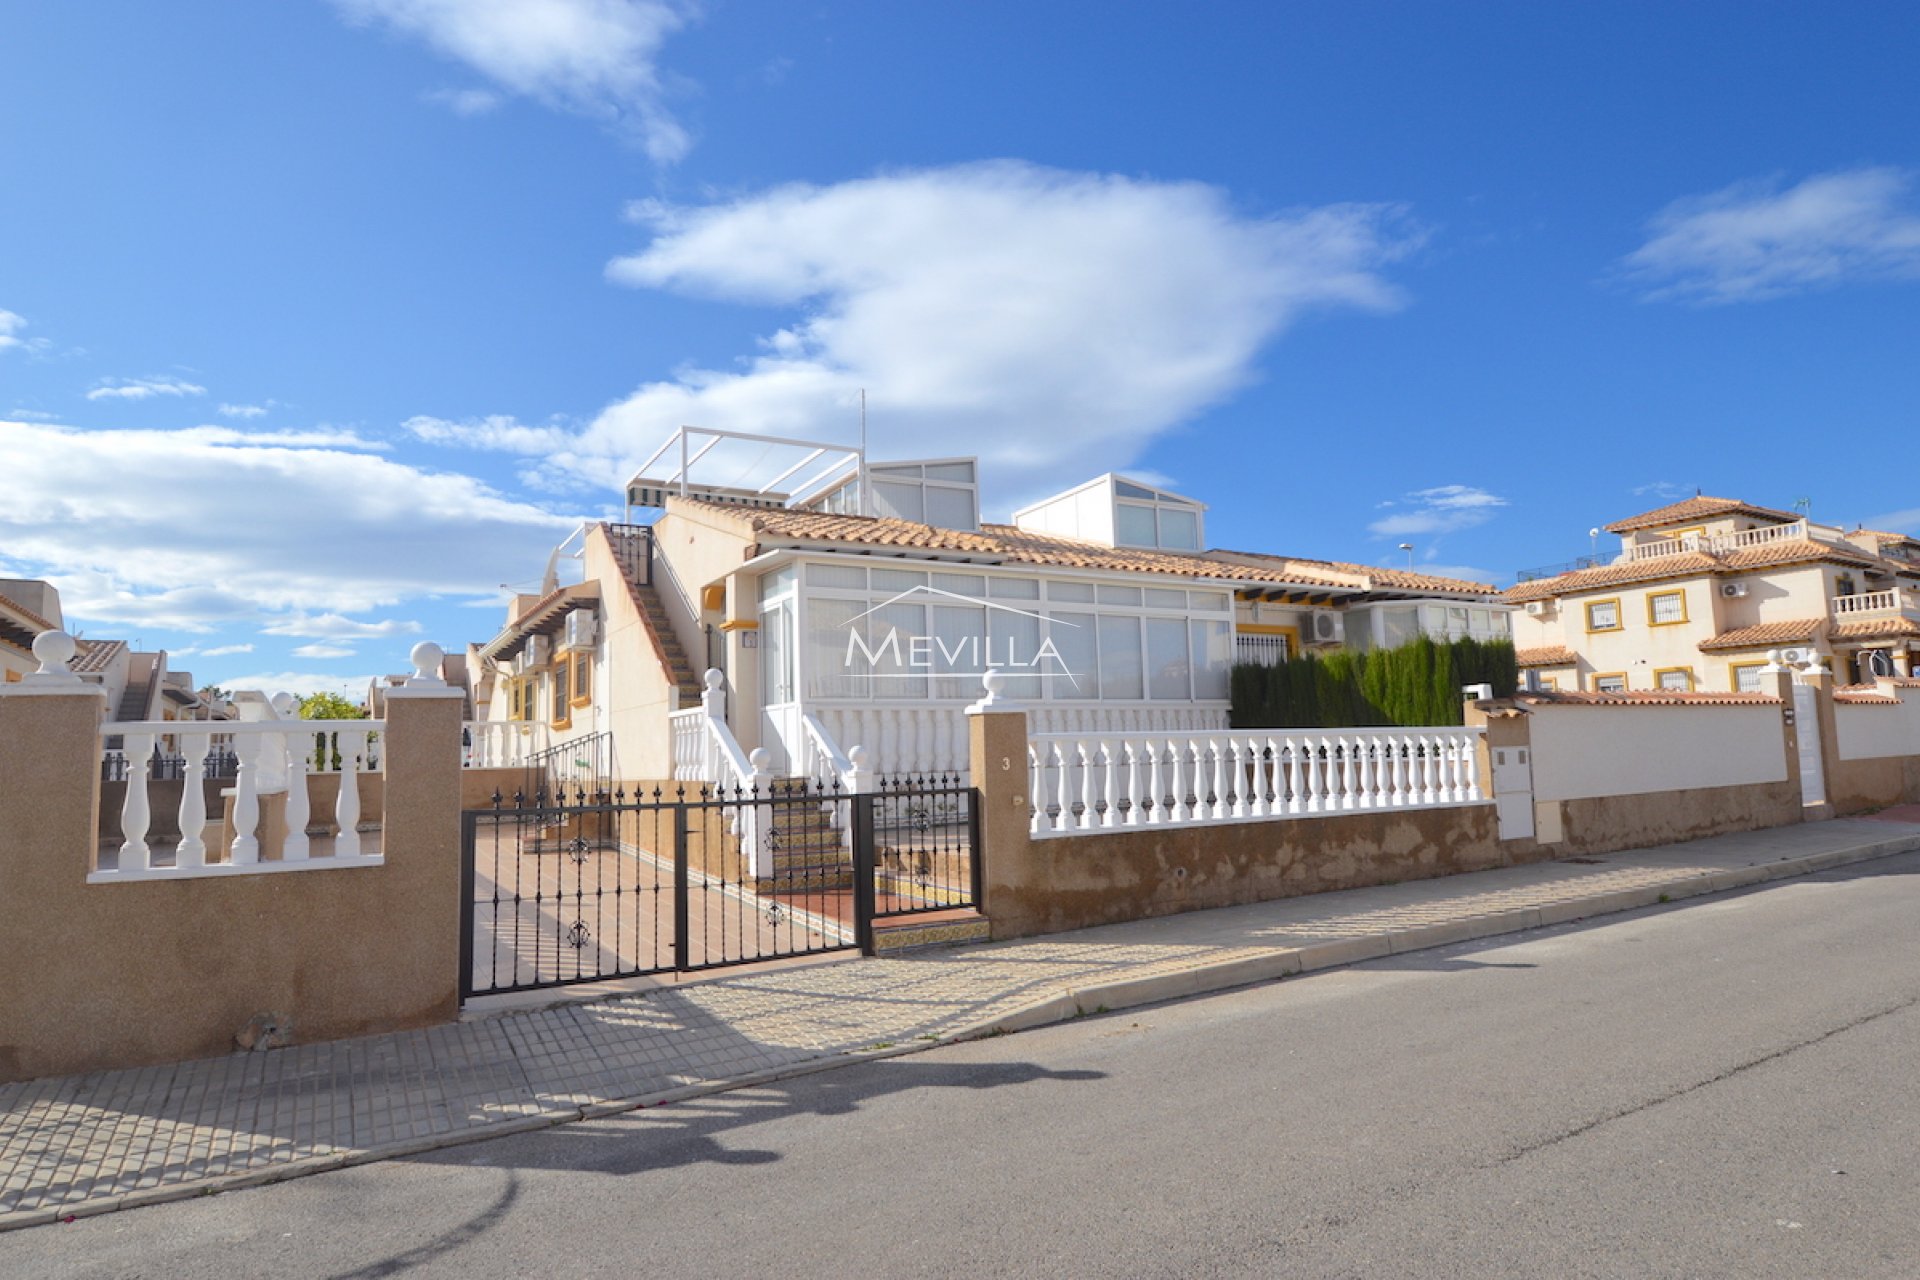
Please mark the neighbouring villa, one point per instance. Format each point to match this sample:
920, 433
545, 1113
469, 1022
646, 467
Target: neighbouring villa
1703, 589
829, 604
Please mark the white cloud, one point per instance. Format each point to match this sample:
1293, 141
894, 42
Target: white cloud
31, 415
500, 432
1446, 508
1753, 240
282, 530
222, 650
1055, 322
11, 323
143, 389
332, 626
314, 438
244, 410
594, 57
323, 649
302, 683
463, 102
1665, 490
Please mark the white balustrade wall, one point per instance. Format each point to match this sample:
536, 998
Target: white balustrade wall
1094, 782
503, 744
275, 756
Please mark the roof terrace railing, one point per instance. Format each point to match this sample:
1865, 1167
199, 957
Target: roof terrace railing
1718, 542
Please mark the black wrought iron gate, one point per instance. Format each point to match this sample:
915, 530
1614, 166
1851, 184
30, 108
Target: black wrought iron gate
594, 886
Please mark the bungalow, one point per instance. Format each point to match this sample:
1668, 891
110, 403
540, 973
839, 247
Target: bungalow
861, 607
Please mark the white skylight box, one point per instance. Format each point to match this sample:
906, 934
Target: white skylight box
1120, 513
943, 492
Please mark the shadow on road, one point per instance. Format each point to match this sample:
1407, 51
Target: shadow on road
692, 1132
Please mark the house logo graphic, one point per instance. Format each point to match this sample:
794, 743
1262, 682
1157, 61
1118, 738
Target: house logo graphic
898, 655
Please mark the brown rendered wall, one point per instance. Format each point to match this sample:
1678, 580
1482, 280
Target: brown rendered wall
1861, 786
106, 975
1603, 824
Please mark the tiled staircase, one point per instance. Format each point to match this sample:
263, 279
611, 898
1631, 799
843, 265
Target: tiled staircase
631, 548
808, 852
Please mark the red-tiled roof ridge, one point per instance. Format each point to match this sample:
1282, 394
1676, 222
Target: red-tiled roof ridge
1694, 564
1648, 698
27, 615
1764, 635
1698, 507
1381, 575
1551, 655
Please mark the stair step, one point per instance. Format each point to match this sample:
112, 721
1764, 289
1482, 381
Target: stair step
892, 935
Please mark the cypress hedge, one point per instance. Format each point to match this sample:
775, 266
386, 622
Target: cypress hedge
1417, 683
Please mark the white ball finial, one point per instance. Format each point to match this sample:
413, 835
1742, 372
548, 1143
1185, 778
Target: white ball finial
715, 679
55, 649
993, 682
857, 757
761, 759
426, 658
284, 703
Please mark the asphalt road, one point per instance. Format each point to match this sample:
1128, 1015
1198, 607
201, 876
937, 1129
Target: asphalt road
1724, 1087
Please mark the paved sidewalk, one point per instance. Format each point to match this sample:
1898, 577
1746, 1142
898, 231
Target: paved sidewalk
92, 1143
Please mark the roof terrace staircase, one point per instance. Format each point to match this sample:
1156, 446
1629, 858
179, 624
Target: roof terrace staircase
633, 548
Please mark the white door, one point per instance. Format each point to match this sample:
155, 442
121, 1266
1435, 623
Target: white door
1806, 718
780, 700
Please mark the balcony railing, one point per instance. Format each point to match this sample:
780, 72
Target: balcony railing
1718, 542
1866, 604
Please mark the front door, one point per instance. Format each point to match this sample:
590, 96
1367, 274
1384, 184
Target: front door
780, 727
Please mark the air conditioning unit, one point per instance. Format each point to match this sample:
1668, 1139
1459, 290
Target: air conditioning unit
1536, 608
1329, 628
1733, 590
535, 654
1794, 656
583, 626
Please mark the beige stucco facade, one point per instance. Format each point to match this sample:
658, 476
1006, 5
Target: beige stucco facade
1696, 601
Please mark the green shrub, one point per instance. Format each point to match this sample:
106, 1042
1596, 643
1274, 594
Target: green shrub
1418, 683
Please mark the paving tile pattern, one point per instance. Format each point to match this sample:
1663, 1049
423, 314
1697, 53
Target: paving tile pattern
92, 1142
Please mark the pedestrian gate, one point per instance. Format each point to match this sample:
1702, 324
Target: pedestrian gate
589, 887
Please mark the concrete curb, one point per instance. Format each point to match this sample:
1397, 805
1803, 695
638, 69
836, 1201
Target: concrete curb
1103, 997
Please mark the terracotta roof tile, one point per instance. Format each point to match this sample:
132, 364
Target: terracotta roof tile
1864, 695
25, 614
1687, 564
1696, 508
1008, 544
1649, 698
1547, 656
1372, 575
95, 655
1871, 628
1766, 635
1693, 564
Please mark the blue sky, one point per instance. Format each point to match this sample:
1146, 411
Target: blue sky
321, 319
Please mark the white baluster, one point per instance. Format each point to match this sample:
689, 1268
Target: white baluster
246, 801
1033, 789
1089, 799
135, 814
1063, 788
193, 802
1429, 772
346, 810
1475, 791
295, 849
1221, 806
1110, 781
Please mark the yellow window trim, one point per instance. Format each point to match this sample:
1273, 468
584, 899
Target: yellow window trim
1667, 671
1672, 622
1619, 619
581, 662
1735, 668
1593, 685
